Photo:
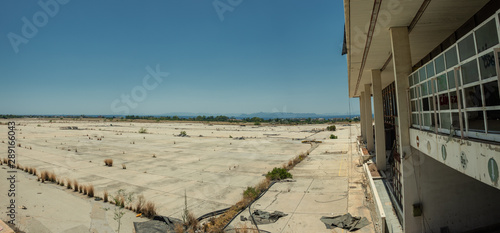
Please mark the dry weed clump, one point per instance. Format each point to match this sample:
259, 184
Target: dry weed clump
52, 176
44, 176
34, 171
191, 223
178, 228
243, 228
105, 196
90, 190
68, 184
84, 187
75, 185
140, 204
80, 189
124, 166
108, 162
149, 209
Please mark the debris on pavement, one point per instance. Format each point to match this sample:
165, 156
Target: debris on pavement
346, 221
263, 217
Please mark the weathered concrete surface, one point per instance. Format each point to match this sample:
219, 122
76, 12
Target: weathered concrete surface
213, 170
328, 183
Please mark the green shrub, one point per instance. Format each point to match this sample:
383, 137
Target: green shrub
333, 137
331, 128
183, 134
143, 130
250, 193
278, 174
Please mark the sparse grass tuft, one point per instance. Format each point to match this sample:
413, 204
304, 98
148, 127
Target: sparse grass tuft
143, 130
108, 162
34, 171
84, 187
124, 166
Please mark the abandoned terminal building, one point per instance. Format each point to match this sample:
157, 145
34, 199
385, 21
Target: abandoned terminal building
432, 68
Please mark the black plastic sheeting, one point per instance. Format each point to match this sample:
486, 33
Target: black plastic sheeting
262, 217
159, 224
346, 221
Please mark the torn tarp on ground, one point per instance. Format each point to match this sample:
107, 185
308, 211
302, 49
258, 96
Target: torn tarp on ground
159, 224
263, 217
346, 221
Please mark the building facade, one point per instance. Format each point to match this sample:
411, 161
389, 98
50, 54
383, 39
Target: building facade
429, 72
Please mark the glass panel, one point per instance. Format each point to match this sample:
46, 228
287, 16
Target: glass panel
491, 95
444, 102
451, 57
487, 66
493, 121
421, 73
441, 80
451, 79
455, 121
431, 103
427, 119
413, 106
475, 121
424, 89
445, 120
430, 69
414, 119
429, 87
469, 72
454, 99
466, 48
425, 103
439, 63
415, 78
486, 36
473, 97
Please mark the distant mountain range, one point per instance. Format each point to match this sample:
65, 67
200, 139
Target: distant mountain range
263, 115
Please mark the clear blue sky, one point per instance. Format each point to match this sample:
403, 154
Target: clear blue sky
84, 56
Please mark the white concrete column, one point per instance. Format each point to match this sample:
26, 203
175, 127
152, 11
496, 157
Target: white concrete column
362, 116
368, 118
401, 58
378, 109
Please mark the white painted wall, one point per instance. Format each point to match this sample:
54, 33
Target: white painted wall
453, 199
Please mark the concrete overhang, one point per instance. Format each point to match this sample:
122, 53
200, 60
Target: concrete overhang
433, 22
